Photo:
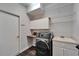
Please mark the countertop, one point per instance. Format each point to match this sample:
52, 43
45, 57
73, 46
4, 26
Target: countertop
66, 40
56, 38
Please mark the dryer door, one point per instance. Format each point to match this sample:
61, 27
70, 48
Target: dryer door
42, 48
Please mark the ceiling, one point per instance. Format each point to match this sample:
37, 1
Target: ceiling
34, 14
42, 4
25, 4
37, 13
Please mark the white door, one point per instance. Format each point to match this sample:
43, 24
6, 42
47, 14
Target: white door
8, 34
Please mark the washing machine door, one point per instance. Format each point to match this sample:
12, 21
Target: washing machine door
42, 48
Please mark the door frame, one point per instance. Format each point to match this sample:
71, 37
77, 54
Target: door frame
18, 37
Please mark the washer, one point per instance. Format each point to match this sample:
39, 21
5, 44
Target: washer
44, 44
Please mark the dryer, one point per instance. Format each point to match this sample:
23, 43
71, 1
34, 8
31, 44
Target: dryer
44, 44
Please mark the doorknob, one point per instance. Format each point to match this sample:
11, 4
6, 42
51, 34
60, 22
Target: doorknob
18, 36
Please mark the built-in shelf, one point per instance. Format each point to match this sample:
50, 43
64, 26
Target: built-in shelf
31, 36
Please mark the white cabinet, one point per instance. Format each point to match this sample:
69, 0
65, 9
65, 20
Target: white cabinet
40, 24
68, 52
57, 51
64, 49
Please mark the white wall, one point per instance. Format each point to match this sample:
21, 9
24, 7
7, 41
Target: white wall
76, 22
40, 24
62, 29
62, 18
24, 20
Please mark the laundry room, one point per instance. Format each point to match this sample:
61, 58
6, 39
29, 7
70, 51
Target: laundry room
39, 29
57, 21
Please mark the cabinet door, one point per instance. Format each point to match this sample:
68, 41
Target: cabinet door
57, 51
68, 52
